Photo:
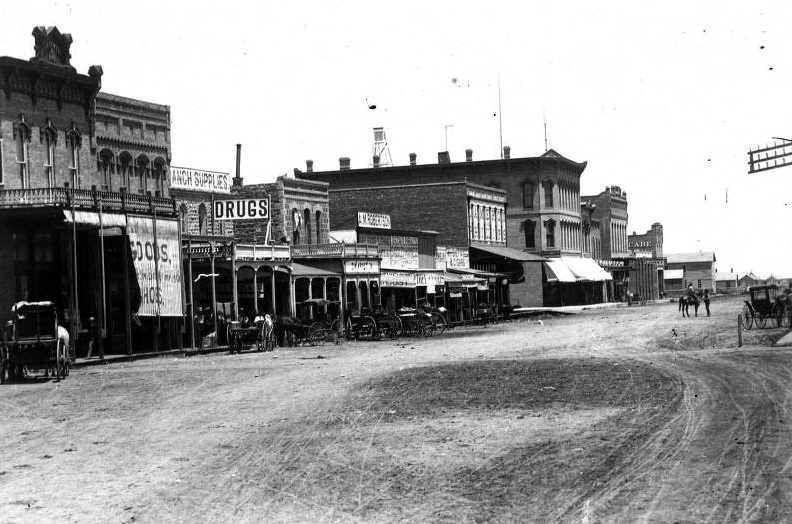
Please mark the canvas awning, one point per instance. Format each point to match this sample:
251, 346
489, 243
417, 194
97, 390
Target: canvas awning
91, 218
454, 280
302, 270
586, 269
508, 252
557, 271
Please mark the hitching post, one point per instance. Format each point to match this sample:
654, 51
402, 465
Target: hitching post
739, 330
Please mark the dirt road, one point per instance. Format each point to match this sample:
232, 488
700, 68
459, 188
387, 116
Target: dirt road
621, 415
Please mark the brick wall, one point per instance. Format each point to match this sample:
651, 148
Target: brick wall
528, 293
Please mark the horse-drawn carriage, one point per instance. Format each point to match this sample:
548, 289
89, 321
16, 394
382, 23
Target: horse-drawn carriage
317, 323
766, 303
34, 340
260, 334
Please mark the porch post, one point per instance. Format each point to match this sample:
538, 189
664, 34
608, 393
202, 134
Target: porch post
234, 290
255, 293
192, 298
214, 289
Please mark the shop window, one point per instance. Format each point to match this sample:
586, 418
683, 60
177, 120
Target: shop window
548, 193
530, 232
527, 193
202, 219
550, 233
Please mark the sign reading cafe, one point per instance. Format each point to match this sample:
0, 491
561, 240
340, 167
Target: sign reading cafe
199, 180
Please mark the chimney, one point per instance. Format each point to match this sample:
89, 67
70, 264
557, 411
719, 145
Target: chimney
343, 163
413, 159
309, 166
468, 155
506, 152
237, 181
376, 160
443, 157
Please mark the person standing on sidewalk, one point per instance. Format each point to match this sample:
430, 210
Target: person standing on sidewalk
707, 301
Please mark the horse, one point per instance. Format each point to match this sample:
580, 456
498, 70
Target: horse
686, 301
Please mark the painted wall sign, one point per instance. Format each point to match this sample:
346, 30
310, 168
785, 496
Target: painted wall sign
242, 209
397, 279
199, 180
157, 265
457, 258
373, 220
402, 241
358, 267
404, 258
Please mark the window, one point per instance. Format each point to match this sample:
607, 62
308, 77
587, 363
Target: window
307, 222
48, 138
318, 227
528, 190
202, 219
548, 193
296, 224
143, 174
550, 233
126, 163
530, 239
183, 218
699, 283
105, 163
159, 178
22, 137
73, 140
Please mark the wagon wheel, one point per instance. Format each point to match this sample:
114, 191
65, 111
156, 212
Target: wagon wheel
441, 324
368, 328
398, 326
394, 328
427, 325
5, 376
760, 320
316, 334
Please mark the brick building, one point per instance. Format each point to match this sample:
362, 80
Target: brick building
75, 229
542, 219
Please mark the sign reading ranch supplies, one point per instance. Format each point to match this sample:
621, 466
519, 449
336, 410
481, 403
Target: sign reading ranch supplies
242, 209
157, 265
198, 180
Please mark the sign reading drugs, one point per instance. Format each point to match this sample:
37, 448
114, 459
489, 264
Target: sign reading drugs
199, 180
157, 265
242, 209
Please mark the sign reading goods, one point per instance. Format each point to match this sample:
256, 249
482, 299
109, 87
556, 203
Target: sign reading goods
242, 209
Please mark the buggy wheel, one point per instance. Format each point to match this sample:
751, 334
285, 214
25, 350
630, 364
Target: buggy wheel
368, 328
747, 318
760, 321
441, 324
316, 335
4, 374
427, 326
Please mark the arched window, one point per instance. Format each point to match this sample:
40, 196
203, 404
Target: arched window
105, 169
318, 227
159, 177
527, 194
49, 138
530, 234
550, 233
183, 218
21, 139
296, 223
143, 174
73, 143
307, 222
126, 168
202, 219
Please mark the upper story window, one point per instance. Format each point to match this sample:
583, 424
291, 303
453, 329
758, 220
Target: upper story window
105, 166
202, 219
22, 139
73, 142
143, 174
159, 178
183, 218
307, 222
296, 224
48, 140
548, 193
318, 227
528, 195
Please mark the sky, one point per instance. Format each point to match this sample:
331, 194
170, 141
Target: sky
663, 99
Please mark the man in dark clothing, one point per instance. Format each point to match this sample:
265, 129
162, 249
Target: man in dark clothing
707, 301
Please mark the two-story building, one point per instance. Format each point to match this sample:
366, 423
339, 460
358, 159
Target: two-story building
697, 269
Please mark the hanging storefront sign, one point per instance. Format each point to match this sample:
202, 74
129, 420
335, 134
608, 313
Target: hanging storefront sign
397, 279
374, 220
457, 258
242, 209
199, 180
361, 267
157, 265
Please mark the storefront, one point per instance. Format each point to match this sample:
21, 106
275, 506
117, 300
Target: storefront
572, 281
